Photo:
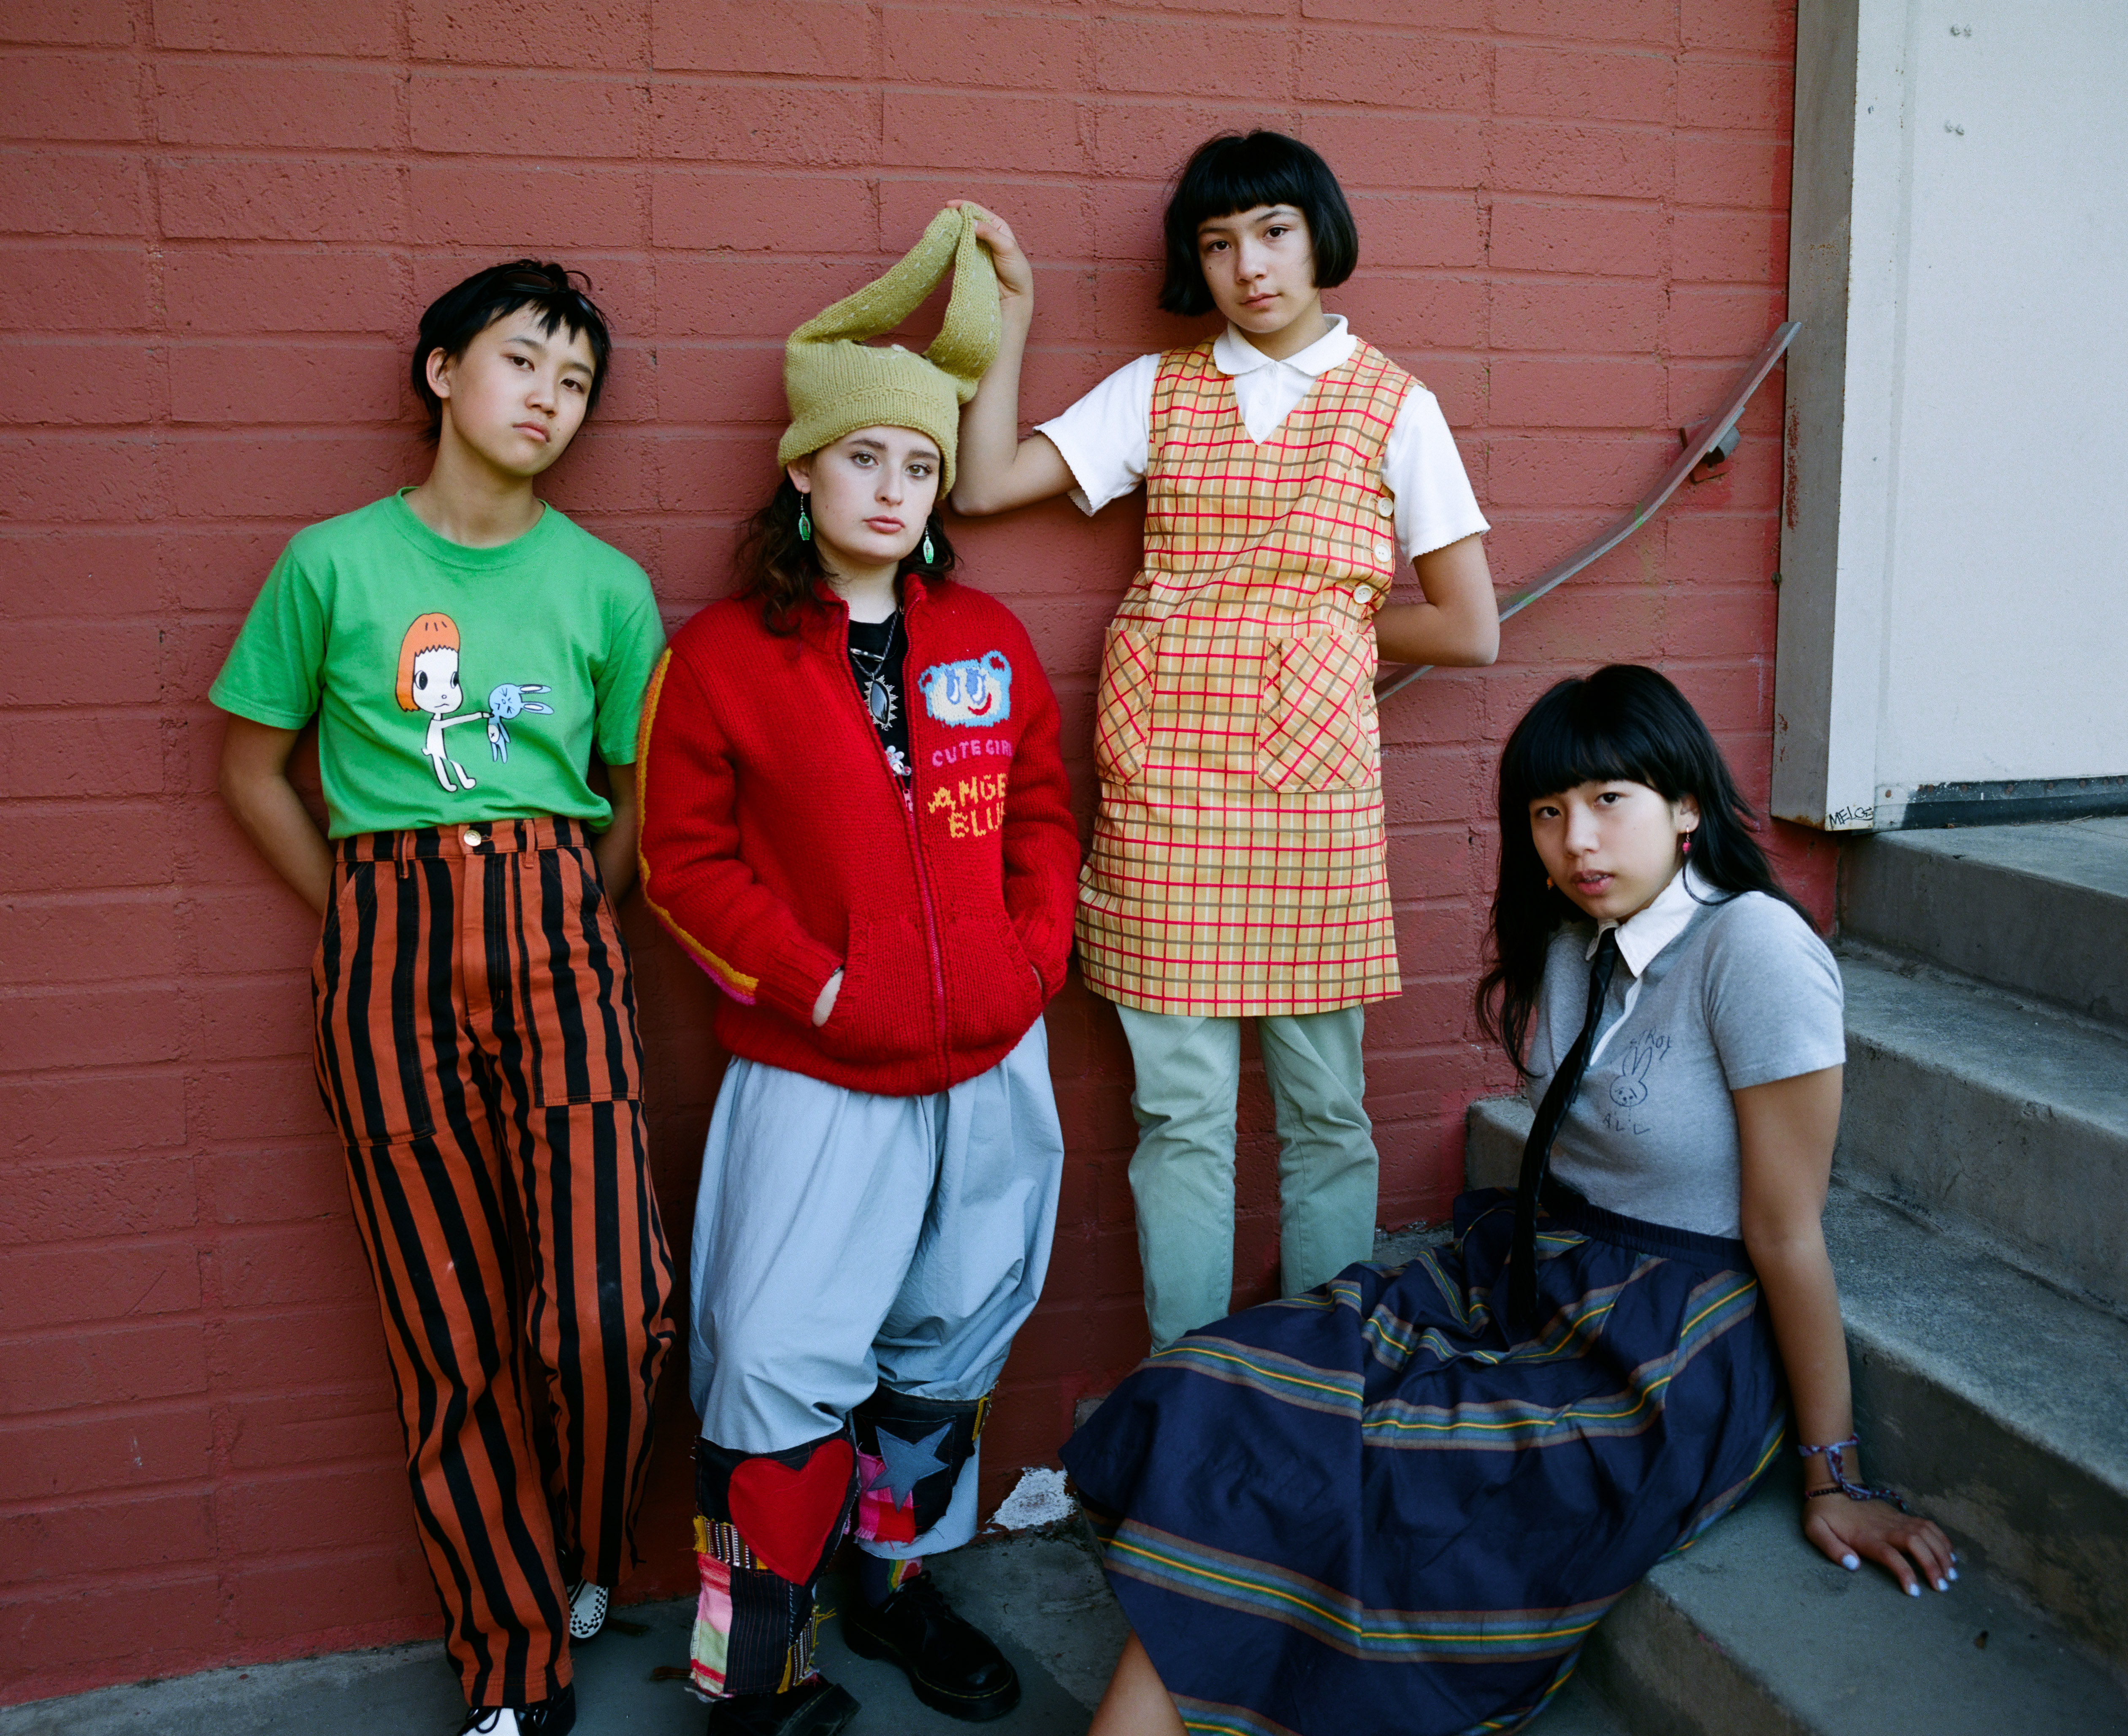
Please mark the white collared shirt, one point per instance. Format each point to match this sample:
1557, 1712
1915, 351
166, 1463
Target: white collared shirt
1104, 436
1645, 934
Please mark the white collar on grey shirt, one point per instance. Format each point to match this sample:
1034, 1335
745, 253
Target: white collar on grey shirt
1653, 926
1644, 935
1234, 353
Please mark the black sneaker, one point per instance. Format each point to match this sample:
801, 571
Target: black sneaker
952, 1666
815, 1708
555, 1717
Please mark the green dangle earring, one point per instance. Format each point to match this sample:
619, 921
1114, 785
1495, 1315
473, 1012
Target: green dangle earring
804, 524
929, 559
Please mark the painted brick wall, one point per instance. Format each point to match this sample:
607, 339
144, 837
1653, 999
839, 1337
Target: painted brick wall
220, 220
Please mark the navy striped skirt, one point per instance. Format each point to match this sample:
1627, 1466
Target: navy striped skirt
1374, 1509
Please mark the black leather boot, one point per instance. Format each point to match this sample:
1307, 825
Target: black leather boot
815, 1708
952, 1666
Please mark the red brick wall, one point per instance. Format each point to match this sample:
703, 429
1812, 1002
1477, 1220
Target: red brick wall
220, 221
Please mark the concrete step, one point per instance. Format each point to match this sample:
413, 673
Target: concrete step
1752, 1633
2038, 909
1493, 1133
1997, 1402
1991, 1113
1579, 1709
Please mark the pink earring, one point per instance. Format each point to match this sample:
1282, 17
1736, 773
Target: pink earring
1684, 844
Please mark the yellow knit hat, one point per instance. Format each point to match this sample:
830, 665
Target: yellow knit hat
837, 383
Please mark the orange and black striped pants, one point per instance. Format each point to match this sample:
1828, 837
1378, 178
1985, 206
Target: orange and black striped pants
476, 1046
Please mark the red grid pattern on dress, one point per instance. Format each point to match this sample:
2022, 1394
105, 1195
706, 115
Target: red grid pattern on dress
1239, 865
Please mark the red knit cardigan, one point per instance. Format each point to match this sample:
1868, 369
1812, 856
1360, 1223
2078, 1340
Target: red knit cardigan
777, 848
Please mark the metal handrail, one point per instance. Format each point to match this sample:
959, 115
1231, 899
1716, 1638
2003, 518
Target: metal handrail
1712, 434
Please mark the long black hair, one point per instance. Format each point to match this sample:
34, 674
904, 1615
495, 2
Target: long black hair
778, 568
1624, 723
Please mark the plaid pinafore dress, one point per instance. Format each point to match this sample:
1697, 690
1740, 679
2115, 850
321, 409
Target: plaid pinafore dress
1239, 861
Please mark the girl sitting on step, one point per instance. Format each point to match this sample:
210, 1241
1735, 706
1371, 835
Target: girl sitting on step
1401, 1502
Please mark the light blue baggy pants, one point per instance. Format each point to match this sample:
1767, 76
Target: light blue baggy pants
844, 1241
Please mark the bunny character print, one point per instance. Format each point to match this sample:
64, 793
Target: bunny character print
1629, 1090
505, 703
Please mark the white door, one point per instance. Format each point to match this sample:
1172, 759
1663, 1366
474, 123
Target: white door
1954, 559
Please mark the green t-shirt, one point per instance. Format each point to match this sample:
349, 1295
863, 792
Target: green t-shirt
451, 685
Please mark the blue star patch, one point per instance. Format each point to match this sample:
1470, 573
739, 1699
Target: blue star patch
907, 1463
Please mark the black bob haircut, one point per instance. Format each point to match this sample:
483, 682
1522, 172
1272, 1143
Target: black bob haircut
1624, 723
459, 315
1236, 173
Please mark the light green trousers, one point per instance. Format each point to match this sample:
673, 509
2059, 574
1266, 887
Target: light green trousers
1182, 1174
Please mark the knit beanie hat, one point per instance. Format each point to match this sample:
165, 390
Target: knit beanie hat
837, 383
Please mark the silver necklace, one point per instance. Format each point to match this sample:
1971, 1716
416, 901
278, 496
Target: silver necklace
878, 694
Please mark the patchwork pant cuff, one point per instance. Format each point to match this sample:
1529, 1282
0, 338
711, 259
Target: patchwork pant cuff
766, 1526
755, 1632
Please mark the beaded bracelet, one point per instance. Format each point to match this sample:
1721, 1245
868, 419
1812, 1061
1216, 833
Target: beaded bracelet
1840, 1484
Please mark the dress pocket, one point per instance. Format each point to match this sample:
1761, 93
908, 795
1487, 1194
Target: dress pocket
1315, 721
1123, 717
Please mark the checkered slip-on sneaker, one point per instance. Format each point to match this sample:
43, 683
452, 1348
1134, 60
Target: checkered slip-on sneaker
587, 1607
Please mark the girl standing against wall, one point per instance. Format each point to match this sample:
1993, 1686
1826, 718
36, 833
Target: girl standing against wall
1238, 868
855, 819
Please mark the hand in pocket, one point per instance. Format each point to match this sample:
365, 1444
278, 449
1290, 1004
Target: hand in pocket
823, 1004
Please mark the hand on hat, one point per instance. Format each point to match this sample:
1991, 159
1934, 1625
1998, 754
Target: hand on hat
1016, 276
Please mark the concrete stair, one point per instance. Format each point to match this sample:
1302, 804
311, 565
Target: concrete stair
1997, 1114
2037, 910
1979, 1223
1752, 1633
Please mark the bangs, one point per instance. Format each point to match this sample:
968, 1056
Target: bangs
557, 308
1264, 168
1593, 731
1560, 757
556, 312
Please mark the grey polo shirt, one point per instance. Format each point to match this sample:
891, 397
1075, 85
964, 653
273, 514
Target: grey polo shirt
1735, 992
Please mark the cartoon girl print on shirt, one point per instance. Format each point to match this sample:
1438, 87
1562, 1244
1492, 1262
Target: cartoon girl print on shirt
429, 681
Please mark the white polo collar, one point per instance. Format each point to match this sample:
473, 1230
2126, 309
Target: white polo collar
1234, 353
1648, 931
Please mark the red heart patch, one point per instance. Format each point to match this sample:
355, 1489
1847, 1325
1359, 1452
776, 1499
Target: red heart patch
784, 1514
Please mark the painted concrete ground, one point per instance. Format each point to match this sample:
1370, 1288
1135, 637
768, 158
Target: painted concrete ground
1041, 1597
